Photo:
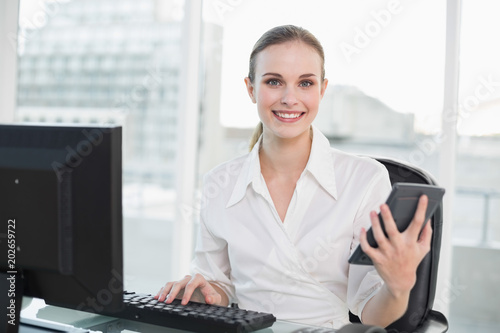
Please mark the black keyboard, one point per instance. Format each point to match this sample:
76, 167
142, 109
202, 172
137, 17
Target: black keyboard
196, 317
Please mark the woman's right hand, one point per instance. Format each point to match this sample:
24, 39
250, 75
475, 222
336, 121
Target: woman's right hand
191, 288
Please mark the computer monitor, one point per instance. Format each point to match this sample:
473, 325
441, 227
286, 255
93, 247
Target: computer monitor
61, 215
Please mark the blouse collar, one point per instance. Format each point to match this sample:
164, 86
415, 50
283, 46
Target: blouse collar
320, 165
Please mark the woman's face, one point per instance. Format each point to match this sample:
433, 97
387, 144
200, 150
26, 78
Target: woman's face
287, 88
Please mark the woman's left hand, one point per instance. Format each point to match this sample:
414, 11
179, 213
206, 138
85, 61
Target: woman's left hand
399, 253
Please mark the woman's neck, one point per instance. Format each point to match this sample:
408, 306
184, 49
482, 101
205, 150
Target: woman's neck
289, 156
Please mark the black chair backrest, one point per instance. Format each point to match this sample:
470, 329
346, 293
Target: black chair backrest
422, 294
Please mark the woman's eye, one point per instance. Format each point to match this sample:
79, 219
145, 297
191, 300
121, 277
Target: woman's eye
273, 82
305, 84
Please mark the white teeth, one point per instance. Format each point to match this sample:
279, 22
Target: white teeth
288, 115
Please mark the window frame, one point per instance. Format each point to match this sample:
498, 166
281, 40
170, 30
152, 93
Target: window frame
9, 18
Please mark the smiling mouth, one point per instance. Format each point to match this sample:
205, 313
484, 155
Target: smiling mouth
288, 115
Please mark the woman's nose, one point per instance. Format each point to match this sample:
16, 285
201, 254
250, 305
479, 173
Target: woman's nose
289, 97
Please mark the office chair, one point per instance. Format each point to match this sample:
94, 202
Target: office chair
419, 318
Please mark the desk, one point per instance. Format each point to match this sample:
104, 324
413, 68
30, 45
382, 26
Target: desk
55, 319
123, 326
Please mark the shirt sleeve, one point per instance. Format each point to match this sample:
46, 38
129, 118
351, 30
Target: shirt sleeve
211, 259
364, 281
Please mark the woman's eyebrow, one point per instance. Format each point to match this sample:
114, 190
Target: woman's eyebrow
272, 74
306, 75
280, 76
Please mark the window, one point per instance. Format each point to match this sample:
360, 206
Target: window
479, 127
476, 231
107, 62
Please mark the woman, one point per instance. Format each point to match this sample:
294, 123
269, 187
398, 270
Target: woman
276, 235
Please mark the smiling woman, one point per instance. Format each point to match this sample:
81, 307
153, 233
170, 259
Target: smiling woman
258, 236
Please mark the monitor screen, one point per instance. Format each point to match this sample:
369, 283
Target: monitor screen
61, 214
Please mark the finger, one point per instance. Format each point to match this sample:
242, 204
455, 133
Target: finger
419, 217
366, 247
390, 225
378, 233
426, 237
209, 293
162, 294
158, 293
176, 288
191, 286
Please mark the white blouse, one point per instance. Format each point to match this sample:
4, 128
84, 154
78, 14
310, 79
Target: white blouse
296, 269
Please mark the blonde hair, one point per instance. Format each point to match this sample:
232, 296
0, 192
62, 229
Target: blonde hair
280, 35
257, 132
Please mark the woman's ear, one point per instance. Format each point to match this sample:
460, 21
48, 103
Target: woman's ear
324, 84
250, 89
